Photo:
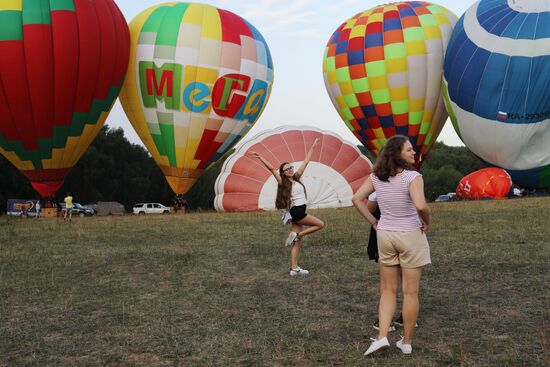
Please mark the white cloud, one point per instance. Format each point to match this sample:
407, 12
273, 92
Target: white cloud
310, 33
279, 15
300, 19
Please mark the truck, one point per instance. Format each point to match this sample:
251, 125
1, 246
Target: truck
151, 208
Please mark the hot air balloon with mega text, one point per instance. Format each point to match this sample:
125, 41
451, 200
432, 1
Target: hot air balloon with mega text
62, 64
383, 69
491, 182
199, 78
497, 72
336, 170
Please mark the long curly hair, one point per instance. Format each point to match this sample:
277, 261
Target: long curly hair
389, 161
284, 190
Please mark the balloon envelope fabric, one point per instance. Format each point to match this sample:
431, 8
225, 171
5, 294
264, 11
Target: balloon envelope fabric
497, 72
62, 66
335, 172
491, 182
383, 70
199, 79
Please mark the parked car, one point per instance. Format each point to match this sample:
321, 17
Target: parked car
151, 208
80, 210
451, 196
443, 198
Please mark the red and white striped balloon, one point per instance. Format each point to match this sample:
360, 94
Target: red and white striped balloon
334, 174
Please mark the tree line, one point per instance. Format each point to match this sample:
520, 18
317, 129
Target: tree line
113, 169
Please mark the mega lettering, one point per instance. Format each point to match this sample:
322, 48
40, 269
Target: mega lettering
160, 83
226, 100
231, 96
252, 107
194, 96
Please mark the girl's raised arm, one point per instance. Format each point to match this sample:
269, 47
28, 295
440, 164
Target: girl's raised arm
267, 165
302, 168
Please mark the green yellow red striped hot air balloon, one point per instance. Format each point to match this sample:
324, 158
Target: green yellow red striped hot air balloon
383, 71
62, 64
199, 78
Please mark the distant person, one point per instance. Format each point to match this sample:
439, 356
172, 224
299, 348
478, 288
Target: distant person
184, 205
24, 211
68, 206
37, 207
402, 244
176, 204
291, 196
180, 204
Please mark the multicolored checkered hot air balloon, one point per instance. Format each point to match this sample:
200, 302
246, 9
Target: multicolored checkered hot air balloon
62, 64
496, 86
199, 79
383, 70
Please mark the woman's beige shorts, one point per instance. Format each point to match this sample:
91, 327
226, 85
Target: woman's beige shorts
408, 249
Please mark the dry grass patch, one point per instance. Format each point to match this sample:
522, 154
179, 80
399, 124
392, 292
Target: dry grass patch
213, 289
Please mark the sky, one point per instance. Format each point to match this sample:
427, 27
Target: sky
296, 32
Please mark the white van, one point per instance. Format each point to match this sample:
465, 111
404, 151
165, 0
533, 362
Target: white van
151, 208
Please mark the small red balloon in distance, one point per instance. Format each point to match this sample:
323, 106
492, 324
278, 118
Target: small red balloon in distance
494, 183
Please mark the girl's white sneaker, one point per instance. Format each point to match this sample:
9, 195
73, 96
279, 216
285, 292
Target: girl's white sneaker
292, 237
298, 271
405, 348
377, 346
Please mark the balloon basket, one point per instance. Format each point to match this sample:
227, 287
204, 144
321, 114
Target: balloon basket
49, 212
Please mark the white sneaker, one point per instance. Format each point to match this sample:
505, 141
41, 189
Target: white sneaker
298, 271
405, 348
291, 238
377, 346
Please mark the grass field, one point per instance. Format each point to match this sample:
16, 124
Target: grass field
213, 289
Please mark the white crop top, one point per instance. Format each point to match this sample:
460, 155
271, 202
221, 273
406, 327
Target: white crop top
298, 196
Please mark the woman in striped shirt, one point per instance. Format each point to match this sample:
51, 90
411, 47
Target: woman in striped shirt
402, 245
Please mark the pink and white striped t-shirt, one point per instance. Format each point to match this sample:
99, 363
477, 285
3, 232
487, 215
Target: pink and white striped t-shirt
398, 212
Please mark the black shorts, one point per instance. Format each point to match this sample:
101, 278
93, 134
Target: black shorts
298, 213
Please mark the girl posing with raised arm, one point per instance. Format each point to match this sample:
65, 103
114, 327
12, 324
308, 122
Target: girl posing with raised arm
291, 196
402, 245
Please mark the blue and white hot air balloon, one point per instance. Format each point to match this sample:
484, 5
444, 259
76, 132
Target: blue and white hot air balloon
497, 86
